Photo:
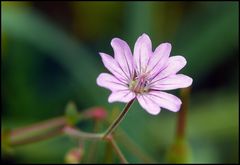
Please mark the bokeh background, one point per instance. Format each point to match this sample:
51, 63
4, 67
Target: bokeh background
50, 56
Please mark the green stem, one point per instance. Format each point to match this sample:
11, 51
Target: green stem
182, 114
55, 126
118, 151
37, 132
95, 136
114, 125
36, 138
130, 145
40, 131
48, 124
80, 134
94, 144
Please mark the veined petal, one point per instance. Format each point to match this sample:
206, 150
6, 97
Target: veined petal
159, 59
110, 82
113, 67
172, 82
123, 56
174, 64
121, 96
148, 104
142, 53
166, 100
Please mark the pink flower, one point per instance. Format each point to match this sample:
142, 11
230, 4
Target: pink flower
144, 75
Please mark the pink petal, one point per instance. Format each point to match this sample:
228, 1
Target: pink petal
121, 96
142, 53
148, 104
166, 100
110, 82
159, 58
174, 64
123, 56
113, 67
172, 82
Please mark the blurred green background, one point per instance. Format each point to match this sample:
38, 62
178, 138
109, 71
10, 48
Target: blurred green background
50, 56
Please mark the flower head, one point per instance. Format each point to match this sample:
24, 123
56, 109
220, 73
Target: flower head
144, 75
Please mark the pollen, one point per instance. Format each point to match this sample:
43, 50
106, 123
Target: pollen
139, 85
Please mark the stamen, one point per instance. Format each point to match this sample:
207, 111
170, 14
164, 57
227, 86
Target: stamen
139, 85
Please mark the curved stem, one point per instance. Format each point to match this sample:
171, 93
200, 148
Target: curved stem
114, 125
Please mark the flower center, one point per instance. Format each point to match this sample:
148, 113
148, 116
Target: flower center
139, 84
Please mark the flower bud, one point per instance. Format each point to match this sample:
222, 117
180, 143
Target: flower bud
74, 156
97, 113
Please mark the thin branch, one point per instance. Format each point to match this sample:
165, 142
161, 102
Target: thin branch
37, 132
49, 128
133, 147
83, 135
118, 151
114, 125
42, 130
94, 144
36, 138
182, 114
95, 136
48, 124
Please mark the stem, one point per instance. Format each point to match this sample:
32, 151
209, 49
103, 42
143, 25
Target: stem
182, 115
95, 136
36, 138
37, 132
55, 126
118, 151
80, 134
41, 130
114, 125
133, 147
108, 156
48, 124
93, 145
